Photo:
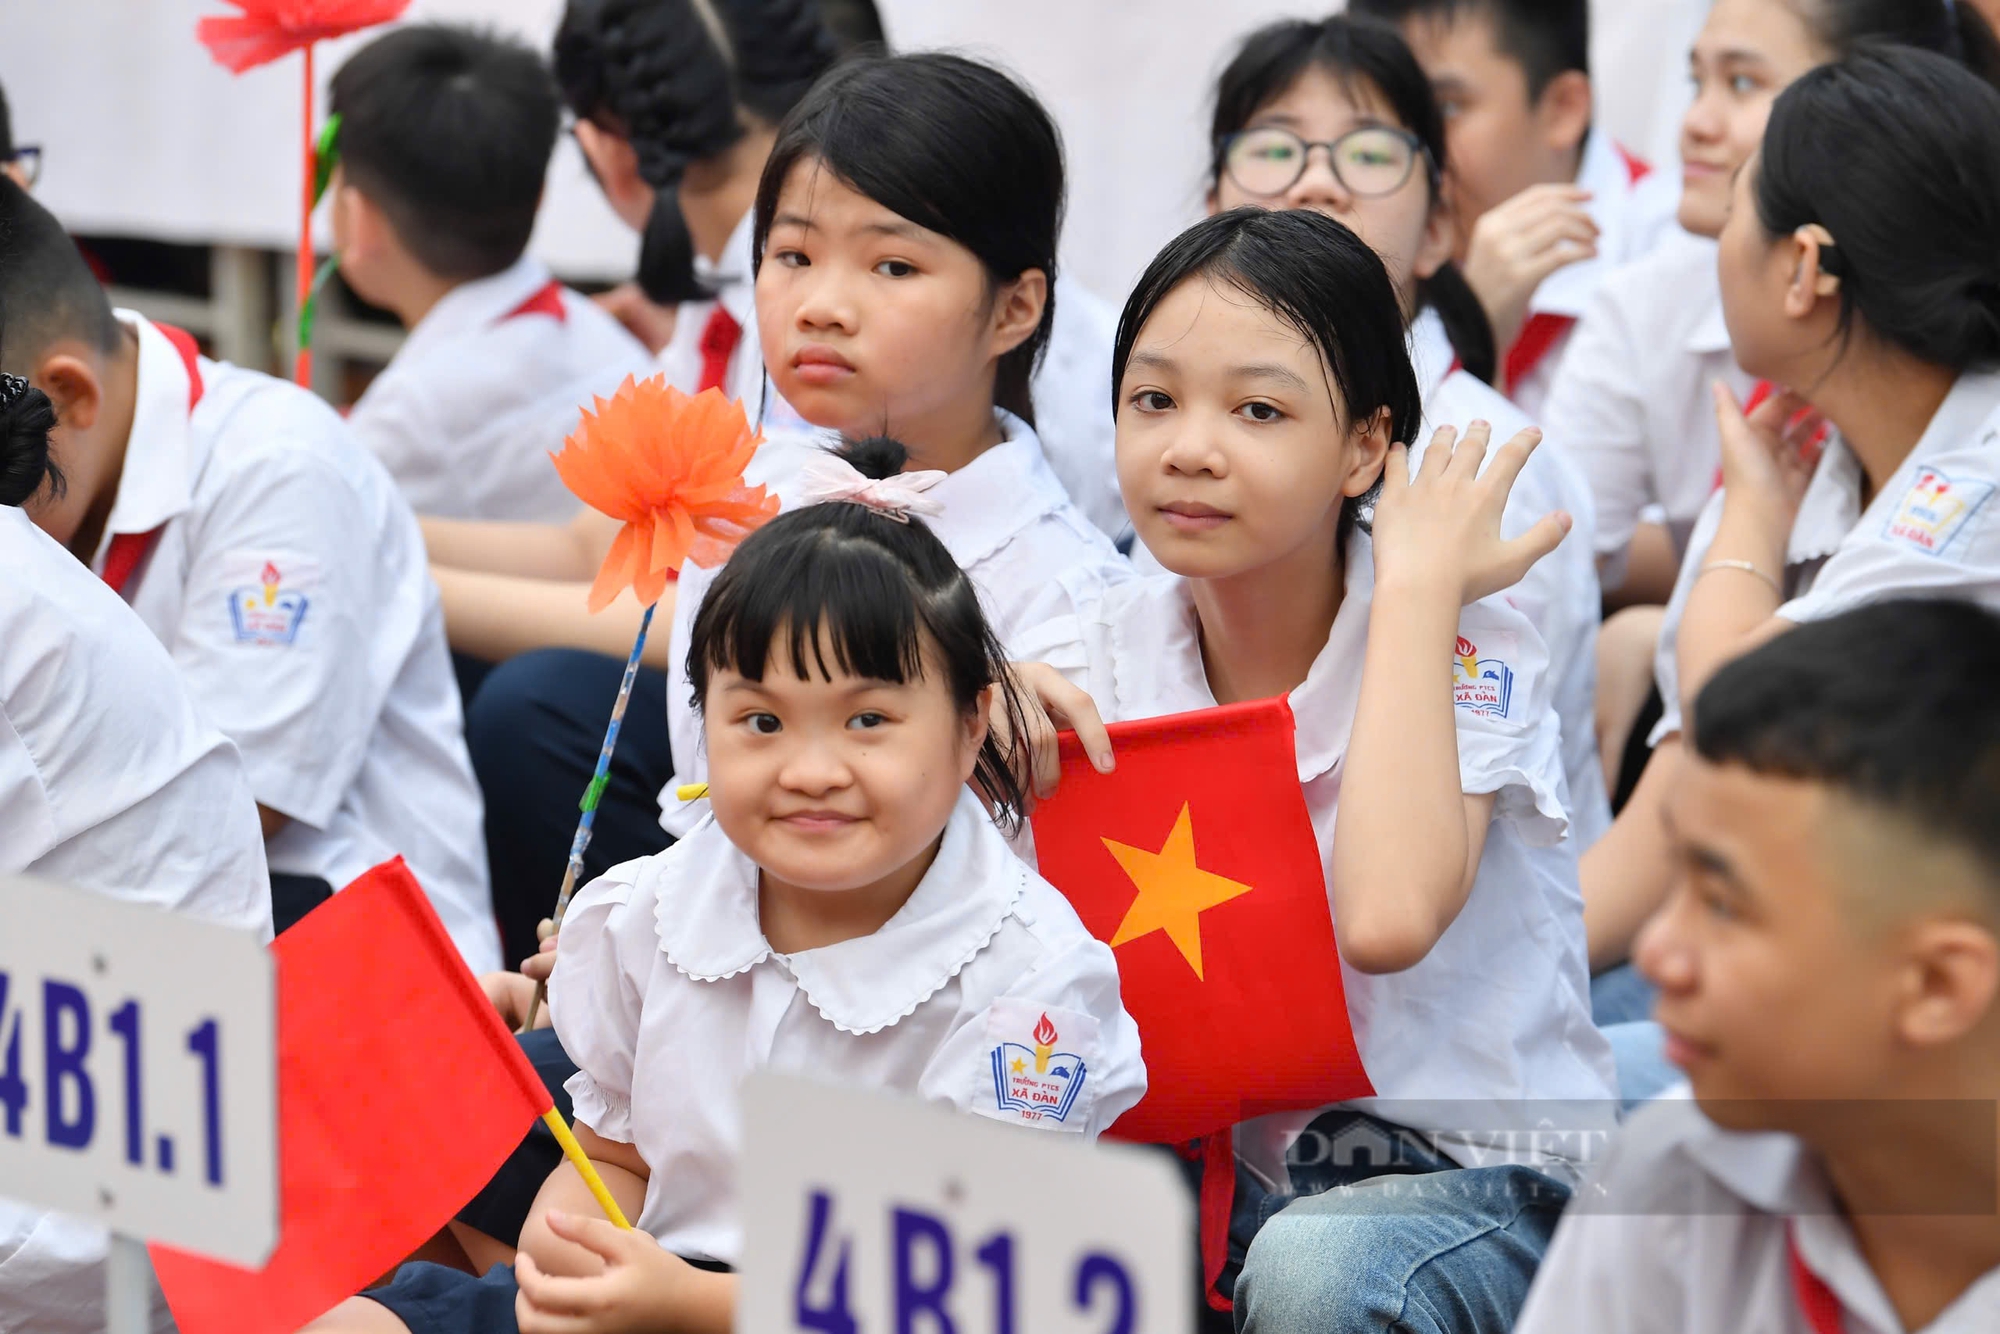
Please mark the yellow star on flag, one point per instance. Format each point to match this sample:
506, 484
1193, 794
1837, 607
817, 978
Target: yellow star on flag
1173, 891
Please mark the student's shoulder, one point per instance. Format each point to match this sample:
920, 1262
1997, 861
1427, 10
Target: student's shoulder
257, 422
1655, 1165
1671, 281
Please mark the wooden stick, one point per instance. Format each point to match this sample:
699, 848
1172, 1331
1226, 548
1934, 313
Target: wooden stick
580, 1160
302, 364
574, 871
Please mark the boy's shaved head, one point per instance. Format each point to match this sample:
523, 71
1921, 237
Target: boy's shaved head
47, 290
1895, 709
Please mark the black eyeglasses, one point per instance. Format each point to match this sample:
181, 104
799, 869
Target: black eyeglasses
1369, 162
29, 156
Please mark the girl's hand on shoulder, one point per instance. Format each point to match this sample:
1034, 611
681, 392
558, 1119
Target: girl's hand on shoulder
1050, 704
1441, 528
1768, 454
643, 1288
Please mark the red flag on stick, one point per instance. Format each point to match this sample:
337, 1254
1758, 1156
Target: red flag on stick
1195, 861
400, 1092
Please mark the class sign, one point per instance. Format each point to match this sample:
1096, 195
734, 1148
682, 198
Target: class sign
866, 1213
138, 1084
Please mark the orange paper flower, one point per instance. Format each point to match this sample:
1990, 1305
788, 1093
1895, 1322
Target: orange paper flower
267, 29
671, 467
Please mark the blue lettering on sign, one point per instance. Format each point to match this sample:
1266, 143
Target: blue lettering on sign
62, 1066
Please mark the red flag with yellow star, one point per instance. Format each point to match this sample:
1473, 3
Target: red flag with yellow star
1195, 861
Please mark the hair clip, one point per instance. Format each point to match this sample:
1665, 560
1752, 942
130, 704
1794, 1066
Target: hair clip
828, 477
11, 389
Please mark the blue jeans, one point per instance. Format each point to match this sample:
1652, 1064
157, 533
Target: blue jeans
1621, 995
1417, 1244
534, 730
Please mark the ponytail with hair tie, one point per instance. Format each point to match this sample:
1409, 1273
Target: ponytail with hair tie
26, 418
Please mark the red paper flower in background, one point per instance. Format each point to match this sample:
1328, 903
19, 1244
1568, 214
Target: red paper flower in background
671, 468
267, 29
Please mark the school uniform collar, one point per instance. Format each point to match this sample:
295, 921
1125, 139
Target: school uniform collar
1431, 353
1603, 171
709, 930
163, 456
1156, 665
992, 499
479, 303
732, 277
1776, 1174
1831, 507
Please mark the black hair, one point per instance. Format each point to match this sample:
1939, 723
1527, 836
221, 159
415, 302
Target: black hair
1892, 705
669, 81
956, 147
449, 130
844, 579
1915, 250
1544, 37
26, 418
1317, 276
1954, 29
6, 128
1271, 60
46, 287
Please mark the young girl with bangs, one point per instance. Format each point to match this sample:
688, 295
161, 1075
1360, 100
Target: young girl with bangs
1263, 392
905, 244
849, 911
1336, 115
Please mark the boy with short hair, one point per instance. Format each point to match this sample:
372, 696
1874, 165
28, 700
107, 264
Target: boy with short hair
273, 557
445, 136
1546, 205
1829, 973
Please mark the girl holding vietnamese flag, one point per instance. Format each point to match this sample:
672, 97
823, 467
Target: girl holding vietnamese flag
1263, 390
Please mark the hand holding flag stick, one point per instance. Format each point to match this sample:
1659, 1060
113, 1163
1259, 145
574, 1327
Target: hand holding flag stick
670, 467
264, 31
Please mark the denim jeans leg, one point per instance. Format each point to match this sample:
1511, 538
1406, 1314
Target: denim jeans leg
1621, 995
1442, 1253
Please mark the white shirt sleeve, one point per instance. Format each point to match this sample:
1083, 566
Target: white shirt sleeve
290, 682
390, 421
1914, 542
1076, 987
1597, 416
597, 991
1509, 739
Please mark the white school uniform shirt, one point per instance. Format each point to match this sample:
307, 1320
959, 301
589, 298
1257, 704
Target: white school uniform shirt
1632, 406
1560, 594
666, 995
1931, 532
1682, 1229
487, 386
290, 583
1489, 1037
109, 781
1071, 388
1007, 522
1634, 208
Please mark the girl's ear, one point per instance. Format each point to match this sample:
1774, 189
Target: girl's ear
1436, 246
976, 727
1370, 442
1810, 282
1017, 310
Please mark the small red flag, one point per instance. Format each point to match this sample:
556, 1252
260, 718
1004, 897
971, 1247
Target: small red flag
1195, 861
400, 1092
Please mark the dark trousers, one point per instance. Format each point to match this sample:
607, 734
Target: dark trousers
534, 728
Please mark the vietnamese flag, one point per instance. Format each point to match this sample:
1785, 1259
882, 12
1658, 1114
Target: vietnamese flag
400, 1092
1195, 861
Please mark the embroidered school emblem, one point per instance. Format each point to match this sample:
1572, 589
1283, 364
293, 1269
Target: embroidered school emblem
1483, 687
1036, 1081
267, 612
1935, 510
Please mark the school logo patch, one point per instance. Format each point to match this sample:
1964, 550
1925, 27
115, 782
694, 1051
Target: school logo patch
267, 612
1040, 1067
1482, 686
1935, 510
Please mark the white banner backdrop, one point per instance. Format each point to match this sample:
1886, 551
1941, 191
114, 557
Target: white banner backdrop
145, 135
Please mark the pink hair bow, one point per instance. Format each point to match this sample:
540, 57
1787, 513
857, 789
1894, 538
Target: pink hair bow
828, 477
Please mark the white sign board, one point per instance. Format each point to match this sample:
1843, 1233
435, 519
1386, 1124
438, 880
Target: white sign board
865, 1214
138, 1070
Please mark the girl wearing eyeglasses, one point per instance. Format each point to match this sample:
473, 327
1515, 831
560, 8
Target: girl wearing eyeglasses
1338, 117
